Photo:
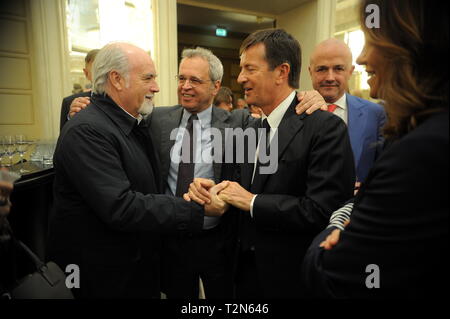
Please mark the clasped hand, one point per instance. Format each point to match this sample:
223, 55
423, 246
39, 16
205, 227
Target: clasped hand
217, 198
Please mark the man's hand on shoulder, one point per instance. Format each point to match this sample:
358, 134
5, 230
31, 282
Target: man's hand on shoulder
310, 101
78, 104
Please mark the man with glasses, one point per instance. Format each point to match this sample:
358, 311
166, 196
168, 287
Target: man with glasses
208, 254
188, 257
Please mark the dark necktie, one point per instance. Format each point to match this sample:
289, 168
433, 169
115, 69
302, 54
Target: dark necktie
187, 165
266, 127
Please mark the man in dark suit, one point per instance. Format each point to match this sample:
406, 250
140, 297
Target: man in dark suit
330, 68
205, 255
109, 211
280, 210
78, 100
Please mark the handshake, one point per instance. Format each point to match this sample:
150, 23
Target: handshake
218, 198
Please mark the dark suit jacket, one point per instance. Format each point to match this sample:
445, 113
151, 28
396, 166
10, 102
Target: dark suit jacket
365, 121
164, 120
65, 106
108, 215
315, 176
399, 223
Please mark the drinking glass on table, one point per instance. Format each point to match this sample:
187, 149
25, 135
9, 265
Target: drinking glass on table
38, 153
22, 146
48, 150
10, 147
2, 150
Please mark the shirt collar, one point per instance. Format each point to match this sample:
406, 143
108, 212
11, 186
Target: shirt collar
277, 114
121, 117
139, 118
204, 117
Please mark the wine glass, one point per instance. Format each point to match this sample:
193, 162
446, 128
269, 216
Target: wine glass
22, 146
2, 150
10, 147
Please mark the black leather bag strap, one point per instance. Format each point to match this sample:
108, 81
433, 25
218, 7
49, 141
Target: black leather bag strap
40, 266
35, 259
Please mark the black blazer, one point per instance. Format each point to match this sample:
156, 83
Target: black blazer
108, 214
165, 119
399, 223
315, 176
65, 106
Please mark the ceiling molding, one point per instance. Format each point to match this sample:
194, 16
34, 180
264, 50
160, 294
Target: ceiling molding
225, 8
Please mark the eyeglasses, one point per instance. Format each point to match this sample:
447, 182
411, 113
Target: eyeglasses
193, 81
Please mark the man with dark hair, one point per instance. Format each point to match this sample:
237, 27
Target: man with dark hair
82, 99
224, 99
241, 104
208, 254
281, 210
280, 47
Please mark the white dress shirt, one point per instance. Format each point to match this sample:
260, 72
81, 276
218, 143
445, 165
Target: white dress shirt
341, 109
274, 120
203, 157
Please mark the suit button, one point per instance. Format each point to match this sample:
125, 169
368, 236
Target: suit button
182, 226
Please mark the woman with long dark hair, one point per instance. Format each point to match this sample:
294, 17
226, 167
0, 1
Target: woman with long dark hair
396, 244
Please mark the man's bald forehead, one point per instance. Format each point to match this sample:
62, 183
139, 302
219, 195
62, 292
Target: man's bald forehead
332, 47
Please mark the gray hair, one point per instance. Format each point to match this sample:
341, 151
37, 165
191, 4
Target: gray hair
215, 66
111, 57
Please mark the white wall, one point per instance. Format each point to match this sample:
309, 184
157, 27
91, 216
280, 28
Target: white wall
52, 65
166, 52
34, 73
310, 24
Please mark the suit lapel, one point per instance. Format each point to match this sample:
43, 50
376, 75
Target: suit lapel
246, 168
357, 121
155, 157
170, 123
290, 125
218, 121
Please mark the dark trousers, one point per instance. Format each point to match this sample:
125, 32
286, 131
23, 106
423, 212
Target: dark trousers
190, 257
247, 279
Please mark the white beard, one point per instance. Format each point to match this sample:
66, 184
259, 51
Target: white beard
146, 108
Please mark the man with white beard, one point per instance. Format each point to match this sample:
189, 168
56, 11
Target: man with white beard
109, 210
